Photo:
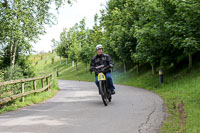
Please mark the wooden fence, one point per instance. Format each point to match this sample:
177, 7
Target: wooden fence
22, 92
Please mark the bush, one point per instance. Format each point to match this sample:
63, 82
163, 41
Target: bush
25, 64
13, 74
22, 69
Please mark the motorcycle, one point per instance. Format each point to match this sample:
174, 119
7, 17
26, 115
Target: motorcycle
105, 92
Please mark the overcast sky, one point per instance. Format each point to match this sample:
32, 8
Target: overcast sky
67, 17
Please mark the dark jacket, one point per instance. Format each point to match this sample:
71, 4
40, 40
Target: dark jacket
103, 59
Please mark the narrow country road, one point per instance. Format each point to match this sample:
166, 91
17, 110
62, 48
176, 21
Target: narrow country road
77, 108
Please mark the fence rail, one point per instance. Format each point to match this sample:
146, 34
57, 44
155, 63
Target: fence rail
47, 78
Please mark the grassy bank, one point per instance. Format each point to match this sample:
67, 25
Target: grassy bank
180, 93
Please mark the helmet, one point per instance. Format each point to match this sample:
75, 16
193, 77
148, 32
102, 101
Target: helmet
99, 46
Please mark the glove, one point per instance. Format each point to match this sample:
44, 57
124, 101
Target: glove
91, 69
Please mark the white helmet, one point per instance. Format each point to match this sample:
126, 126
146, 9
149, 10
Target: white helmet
99, 46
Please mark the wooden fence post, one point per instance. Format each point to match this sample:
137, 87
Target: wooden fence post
23, 91
47, 83
34, 86
57, 73
42, 82
50, 80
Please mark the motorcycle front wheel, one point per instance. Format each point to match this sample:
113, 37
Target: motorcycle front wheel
104, 96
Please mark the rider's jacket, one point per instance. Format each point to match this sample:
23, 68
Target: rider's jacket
102, 59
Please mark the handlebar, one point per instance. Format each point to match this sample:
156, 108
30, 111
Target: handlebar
101, 68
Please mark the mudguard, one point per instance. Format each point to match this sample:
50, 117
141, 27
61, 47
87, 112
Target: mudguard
101, 77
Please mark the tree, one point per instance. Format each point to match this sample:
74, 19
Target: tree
77, 43
154, 45
93, 37
184, 27
22, 22
54, 44
62, 47
118, 21
85, 51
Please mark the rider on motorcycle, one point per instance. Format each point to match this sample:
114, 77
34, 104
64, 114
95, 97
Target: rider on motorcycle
103, 59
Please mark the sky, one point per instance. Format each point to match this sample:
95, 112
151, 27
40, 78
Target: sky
68, 16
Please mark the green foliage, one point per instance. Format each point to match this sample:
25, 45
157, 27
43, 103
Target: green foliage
118, 22
184, 32
138, 31
153, 46
21, 69
21, 23
78, 43
17, 73
62, 47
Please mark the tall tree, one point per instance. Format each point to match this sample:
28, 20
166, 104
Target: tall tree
118, 20
154, 45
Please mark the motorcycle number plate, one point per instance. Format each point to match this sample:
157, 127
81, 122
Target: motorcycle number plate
101, 76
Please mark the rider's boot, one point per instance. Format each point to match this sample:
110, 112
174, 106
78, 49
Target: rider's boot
112, 92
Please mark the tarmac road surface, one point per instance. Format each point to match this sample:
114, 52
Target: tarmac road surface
78, 108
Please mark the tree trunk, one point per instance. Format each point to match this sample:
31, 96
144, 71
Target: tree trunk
86, 67
137, 68
190, 61
14, 54
153, 69
66, 61
12, 57
124, 66
11, 53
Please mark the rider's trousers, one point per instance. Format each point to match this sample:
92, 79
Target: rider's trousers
109, 80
